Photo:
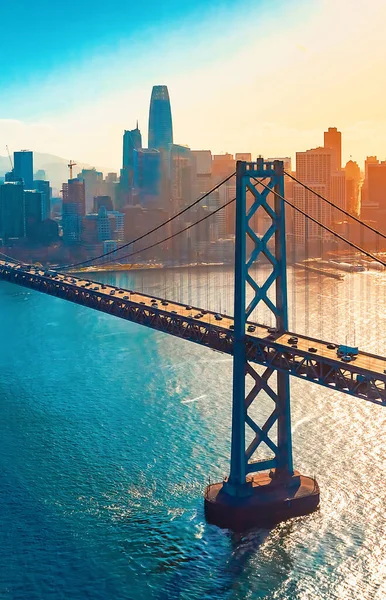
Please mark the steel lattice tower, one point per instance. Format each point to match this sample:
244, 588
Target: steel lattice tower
249, 497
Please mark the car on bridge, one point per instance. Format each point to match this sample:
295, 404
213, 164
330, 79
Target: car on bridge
344, 350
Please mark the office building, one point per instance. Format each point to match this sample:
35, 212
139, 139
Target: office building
23, 167
40, 175
338, 193
12, 212
367, 207
93, 185
132, 140
353, 179
313, 168
180, 176
147, 176
33, 207
202, 172
73, 209
160, 119
44, 187
244, 156
222, 166
100, 201
374, 205
333, 141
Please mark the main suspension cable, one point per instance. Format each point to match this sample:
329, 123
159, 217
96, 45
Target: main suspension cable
181, 212
179, 232
342, 210
343, 239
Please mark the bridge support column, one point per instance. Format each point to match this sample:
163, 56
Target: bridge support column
264, 491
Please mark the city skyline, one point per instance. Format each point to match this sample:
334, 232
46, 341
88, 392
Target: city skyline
284, 102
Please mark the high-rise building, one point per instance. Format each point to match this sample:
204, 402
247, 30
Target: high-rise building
44, 187
73, 209
374, 207
160, 119
353, 179
93, 184
202, 172
286, 160
23, 167
147, 176
100, 201
370, 160
333, 141
338, 193
33, 206
181, 175
313, 168
12, 212
244, 156
203, 161
40, 175
132, 140
222, 166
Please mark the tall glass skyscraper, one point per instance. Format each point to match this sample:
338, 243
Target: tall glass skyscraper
132, 140
160, 119
23, 167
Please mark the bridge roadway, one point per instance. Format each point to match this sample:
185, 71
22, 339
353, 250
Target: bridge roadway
309, 359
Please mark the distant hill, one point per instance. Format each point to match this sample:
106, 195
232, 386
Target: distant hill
55, 167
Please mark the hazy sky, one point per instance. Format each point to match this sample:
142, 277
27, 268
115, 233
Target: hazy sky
264, 77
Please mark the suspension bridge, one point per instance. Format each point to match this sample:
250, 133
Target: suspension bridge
262, 487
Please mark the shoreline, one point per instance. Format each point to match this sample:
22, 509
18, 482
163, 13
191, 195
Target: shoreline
139, 267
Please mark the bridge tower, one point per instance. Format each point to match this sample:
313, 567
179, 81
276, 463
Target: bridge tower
251, 496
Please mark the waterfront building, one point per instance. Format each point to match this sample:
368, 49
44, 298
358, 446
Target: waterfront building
160, 119
12, 211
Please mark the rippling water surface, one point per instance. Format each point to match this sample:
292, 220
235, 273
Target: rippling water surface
109, 432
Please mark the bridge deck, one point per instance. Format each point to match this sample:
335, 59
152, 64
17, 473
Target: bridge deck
266, 347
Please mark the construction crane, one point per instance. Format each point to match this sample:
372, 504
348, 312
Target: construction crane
10, 159
70, 165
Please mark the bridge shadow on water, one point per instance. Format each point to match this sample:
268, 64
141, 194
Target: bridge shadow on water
226, 565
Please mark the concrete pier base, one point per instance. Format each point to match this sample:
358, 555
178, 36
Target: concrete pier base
263, 502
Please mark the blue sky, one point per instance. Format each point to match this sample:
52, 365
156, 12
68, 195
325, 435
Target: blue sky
250, 75
44, 35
